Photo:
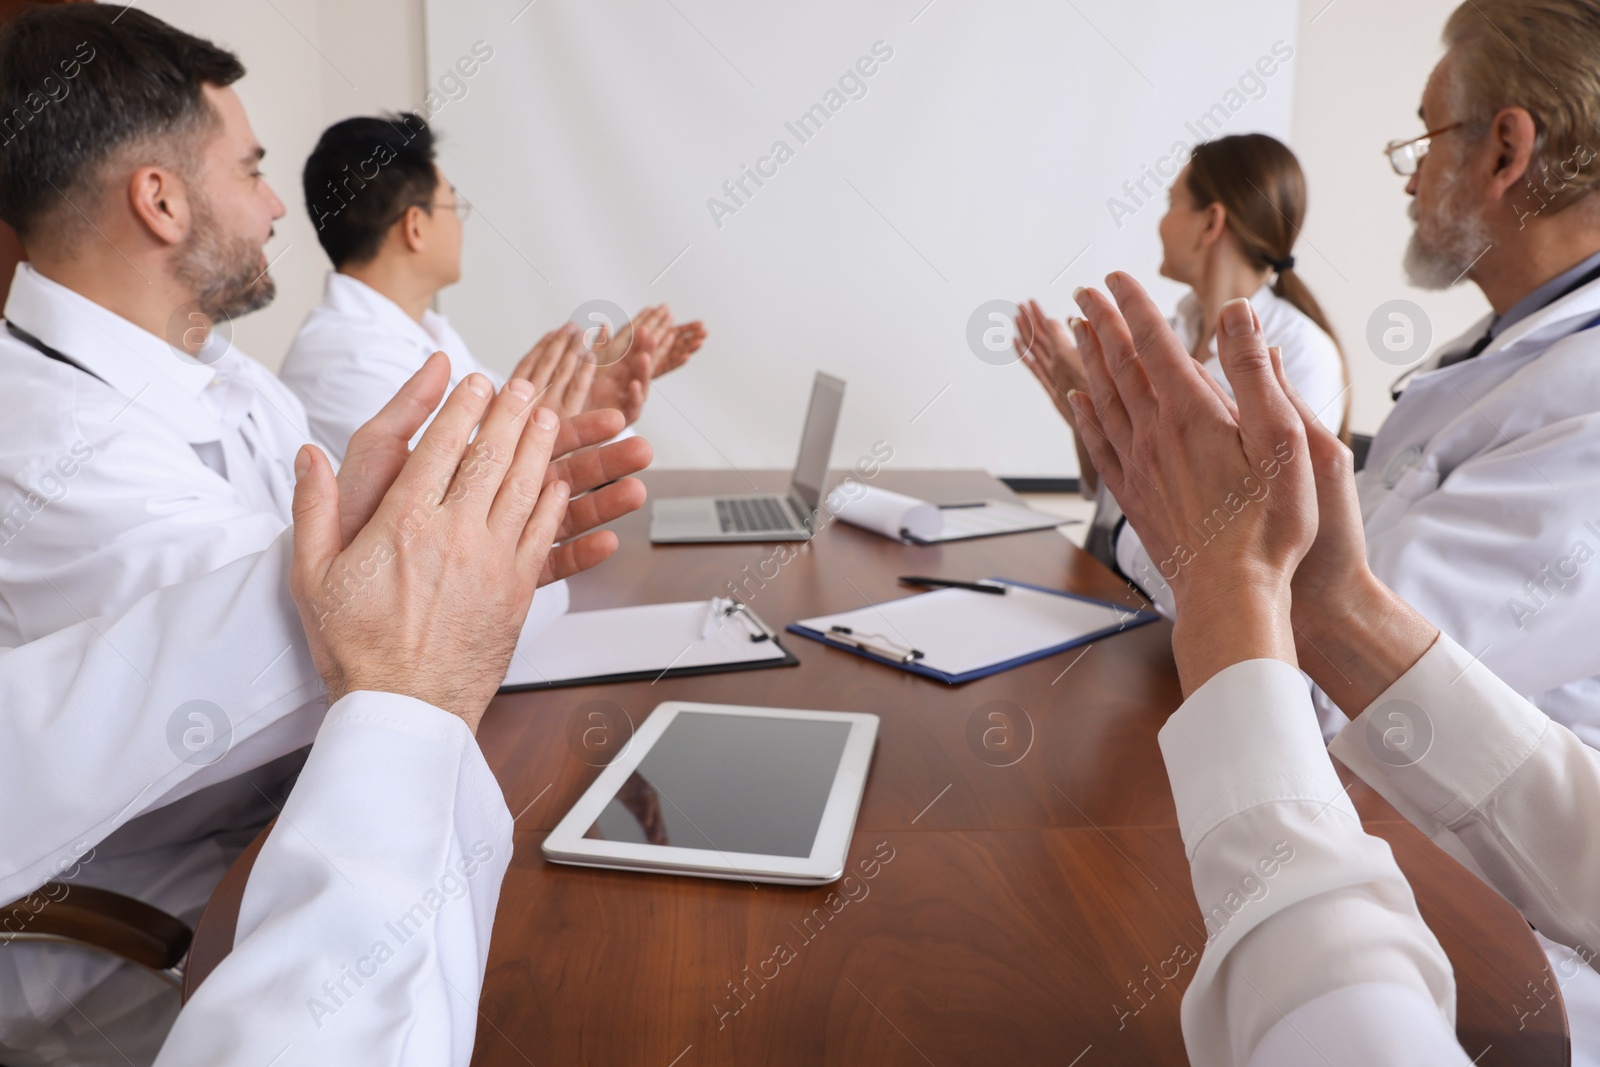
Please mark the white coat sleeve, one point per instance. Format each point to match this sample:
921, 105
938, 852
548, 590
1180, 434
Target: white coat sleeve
364, 929
1490, 774
1315, 951
94, 716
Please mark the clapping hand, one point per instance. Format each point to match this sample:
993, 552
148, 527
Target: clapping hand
1221, 493
681, 343
601, 488
428, 598
1048, 351
561, 377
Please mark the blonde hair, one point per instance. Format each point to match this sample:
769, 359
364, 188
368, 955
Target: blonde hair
1542, 56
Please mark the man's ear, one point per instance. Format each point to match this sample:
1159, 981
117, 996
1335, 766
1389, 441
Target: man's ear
1512, 136
160, 200
411, 229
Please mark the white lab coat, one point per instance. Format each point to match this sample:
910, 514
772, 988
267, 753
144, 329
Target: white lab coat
395, 811
111, 488
356, 349
1310, 928
1481, 496
1340, 958
364, 929
144, 469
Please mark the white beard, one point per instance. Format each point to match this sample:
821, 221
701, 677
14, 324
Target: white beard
1441, 258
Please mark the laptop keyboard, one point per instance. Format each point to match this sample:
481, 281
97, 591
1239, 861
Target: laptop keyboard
753, 515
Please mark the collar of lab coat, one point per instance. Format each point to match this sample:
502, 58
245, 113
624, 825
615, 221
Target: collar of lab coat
1531, 335
351, 296
128, 358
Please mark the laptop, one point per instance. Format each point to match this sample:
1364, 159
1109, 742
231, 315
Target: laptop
762, 516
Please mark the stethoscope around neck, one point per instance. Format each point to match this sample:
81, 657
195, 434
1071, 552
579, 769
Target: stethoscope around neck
1398, 386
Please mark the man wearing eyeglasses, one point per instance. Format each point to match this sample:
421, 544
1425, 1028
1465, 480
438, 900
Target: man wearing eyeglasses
392, 225
1481, 492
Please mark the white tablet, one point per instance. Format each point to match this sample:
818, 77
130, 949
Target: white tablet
723, 791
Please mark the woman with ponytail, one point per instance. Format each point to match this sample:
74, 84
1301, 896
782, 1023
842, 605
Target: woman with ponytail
1235, 211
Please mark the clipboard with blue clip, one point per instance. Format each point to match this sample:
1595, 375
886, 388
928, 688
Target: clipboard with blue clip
961, 634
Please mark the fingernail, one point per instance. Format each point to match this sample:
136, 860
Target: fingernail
546, 419
1114, 283
302, 462
478, 384
1078, 295
520, 388
562, 489
1080, 329
1073, 395
1237, 318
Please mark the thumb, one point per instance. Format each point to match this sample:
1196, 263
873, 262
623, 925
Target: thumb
1263, 409
1328, 453
317, 540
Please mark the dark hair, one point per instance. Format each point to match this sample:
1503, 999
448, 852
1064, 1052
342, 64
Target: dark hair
80, 81
362, 176
1260, 183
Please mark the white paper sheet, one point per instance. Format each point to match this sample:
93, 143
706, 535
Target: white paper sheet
958, 630
646, 637
995, 517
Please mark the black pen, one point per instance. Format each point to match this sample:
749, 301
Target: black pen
950, 583
973, 504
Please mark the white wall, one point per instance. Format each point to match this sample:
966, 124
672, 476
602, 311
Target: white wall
979, 166
1363, 64
309, 64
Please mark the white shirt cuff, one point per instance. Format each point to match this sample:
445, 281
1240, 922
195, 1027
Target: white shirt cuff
1442, 738
1247, 737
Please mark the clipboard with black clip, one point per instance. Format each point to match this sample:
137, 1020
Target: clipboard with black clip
645, 643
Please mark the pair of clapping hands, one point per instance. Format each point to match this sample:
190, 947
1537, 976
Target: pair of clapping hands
446, 544
1248, 505
570, 377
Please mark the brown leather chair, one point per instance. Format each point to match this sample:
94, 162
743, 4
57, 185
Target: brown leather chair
99, 918
213, 934
136, 931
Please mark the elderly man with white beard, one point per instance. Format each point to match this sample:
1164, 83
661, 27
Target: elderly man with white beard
1481, 491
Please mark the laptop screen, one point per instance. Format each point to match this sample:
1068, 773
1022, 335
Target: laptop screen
816, 444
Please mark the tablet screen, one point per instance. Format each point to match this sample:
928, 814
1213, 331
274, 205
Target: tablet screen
729, 783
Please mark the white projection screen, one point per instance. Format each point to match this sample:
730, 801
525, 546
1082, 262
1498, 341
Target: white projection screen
996, 151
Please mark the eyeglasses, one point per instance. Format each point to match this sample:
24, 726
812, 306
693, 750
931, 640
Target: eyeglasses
462, 207
1406, 156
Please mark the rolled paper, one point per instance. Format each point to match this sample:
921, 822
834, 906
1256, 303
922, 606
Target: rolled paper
884, 512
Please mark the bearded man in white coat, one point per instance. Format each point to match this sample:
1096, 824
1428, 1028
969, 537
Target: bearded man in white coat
1481, 491
138, 450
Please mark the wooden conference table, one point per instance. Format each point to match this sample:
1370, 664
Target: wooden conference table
1031, 904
